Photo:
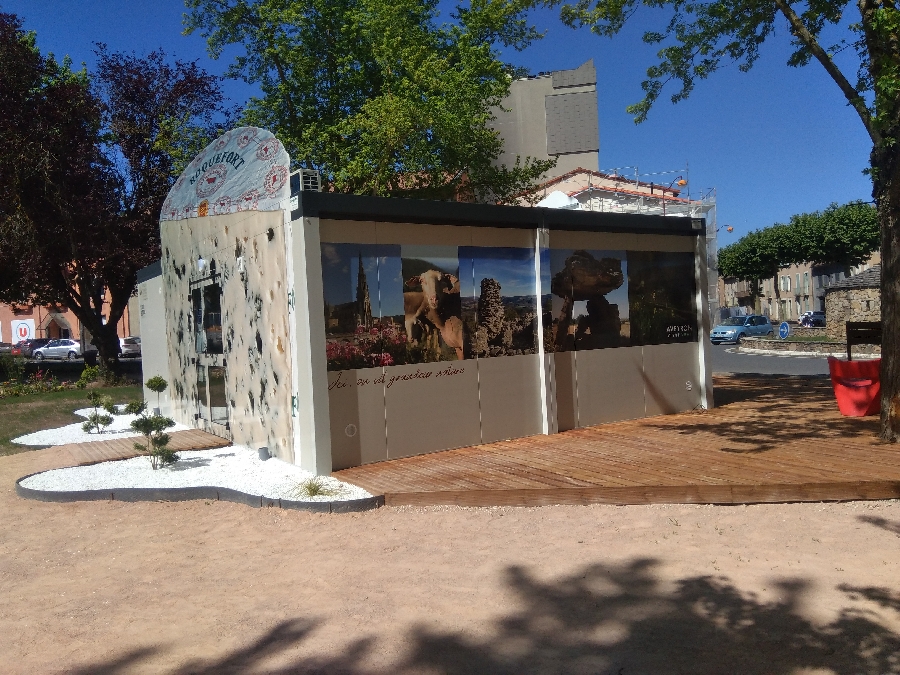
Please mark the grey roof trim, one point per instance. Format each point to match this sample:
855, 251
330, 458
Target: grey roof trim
871, 278
151, 271
341, 206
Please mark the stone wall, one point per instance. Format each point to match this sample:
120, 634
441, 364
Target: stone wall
839, 348
851, 304
800, 331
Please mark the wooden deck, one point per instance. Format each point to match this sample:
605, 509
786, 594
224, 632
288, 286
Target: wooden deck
94, 452
772, 439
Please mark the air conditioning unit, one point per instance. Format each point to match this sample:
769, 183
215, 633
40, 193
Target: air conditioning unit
305, 180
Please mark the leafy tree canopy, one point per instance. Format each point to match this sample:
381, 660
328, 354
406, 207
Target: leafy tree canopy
375, 94
757, 255
85, 167
844, 235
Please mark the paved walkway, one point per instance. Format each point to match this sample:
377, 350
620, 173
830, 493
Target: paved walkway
80, 454
770, 440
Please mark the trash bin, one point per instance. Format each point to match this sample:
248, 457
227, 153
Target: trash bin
857, 386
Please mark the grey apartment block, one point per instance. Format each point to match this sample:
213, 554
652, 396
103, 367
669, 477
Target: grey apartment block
552, 115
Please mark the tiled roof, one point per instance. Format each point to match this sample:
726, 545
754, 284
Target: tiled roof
871, 278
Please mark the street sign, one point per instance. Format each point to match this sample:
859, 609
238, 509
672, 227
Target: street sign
784, 330
22, 329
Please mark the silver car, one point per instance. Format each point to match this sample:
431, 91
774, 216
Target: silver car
58, 349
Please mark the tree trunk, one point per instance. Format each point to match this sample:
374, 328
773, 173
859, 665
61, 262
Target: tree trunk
881, 30
104, 336
887, 195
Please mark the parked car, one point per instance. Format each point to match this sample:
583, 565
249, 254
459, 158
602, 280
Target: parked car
130, 347
5, 348
736, 328
26, 347
59, 349
809, 319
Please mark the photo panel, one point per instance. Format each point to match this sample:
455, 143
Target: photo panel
431, 302
546, 301
662, 295
357, 320
589, 300
504, 320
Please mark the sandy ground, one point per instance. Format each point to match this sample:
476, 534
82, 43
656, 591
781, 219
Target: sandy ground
108, 588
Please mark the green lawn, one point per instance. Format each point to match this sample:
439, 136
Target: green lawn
25, 414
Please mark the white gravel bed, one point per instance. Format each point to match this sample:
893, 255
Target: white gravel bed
72, 433
233, 467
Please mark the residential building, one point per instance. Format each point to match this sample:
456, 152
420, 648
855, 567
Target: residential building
22, 322
786, 296
552, 115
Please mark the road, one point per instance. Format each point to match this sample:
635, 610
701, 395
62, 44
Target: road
725, 359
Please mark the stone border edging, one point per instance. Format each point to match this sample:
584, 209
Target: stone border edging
192, 493
744, 349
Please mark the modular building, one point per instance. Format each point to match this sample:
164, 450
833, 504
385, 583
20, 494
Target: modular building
340, 330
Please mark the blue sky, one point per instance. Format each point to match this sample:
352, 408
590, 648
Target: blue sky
773, 142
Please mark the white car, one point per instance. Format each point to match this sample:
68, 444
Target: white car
130, 346
58, 349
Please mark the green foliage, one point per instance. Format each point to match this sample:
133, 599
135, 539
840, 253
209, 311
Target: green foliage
96, 420
699, 38
135, 408
88, 375
375, 93
757, 255
313, 487
156, 440
11, 368
158, 385
845, 235
89, 161
111, 407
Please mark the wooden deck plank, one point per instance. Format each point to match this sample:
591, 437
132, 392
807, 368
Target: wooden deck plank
115, 449
777, 439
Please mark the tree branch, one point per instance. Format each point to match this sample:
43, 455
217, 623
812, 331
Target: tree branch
853, 96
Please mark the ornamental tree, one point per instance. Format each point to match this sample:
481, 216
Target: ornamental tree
375, 94
703, 36
85, 166
841, 235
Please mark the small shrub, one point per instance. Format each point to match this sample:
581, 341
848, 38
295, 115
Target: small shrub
156, 384
111, 407
156, 440
88, 375
97, 420
11, 368
313, 487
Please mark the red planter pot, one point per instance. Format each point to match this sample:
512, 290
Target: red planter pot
857, 386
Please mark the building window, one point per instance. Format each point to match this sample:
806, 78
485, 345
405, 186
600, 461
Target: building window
786, 283
202, 400
206, 310
218, 406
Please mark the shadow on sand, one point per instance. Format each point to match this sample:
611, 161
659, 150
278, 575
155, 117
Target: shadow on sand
616, 619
